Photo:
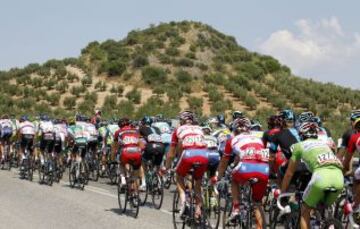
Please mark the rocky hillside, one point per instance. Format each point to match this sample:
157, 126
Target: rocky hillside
164, 69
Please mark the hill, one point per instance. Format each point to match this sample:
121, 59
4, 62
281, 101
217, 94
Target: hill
164, 69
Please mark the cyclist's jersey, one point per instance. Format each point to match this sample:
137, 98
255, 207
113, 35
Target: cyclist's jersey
46, 130
284, 139
248, 147
26, 128
354, 143
211, 142
222, 136
165, 131
6, 124
128, 138
91, 131
150, 134
111, 130
189, 136
60, 131
323, 136
346, 138
78, 134
15, 126
315, 154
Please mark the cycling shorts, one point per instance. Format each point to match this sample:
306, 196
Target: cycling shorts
47, 145
27, 141
322, 179
190, 157
154, 152
131, 156
214, 160
247, 170
6, 134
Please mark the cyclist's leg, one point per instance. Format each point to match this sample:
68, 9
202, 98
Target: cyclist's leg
182, 168
198, 175
305, 216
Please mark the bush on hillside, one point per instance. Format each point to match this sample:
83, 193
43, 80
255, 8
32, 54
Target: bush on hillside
69, 102
183, 76
172, 51
86, 81
184, 62
140, 61
153, 75
113, 68
134, 96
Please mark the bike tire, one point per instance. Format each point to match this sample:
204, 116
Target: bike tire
72, 175
30, 170
157, 192
177, 221
122, 201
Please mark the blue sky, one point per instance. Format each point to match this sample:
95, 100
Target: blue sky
318, 39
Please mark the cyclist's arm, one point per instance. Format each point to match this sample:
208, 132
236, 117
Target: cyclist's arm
288, 175
170, 156
225, 159
349, 154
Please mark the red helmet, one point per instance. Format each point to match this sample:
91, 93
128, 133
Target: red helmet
186, 116
309, 130
242, 124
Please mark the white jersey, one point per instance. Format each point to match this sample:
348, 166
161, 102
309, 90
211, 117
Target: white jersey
6, 123
27, 128
60, 131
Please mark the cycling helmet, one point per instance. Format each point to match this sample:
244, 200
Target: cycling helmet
44, 117
24, 118
306, 117
186, 117
221, 118
242, 124
354, 115
124, 122
256, 125
317, 119
237, 114
309, 130
147, 120
97, 112
287, 115
103, 123
206, 129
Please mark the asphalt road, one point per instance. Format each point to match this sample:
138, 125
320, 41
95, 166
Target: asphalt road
25, 204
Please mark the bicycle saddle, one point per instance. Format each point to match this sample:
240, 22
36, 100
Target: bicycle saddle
253, 181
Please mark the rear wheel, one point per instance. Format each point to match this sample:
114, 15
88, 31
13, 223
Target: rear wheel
72, 175
30, 169
178, 222
157, 191
122, 201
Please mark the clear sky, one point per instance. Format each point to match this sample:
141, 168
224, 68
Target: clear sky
318, 39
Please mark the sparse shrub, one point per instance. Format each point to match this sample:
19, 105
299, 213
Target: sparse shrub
69, 102
183, 76
86, 81
172, 51
140, 61
154, 75
184, 62
134, 96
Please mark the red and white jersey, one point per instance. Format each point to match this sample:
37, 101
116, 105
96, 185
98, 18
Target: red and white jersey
248, 147
354, 143
127, 137
27, 128
189, 136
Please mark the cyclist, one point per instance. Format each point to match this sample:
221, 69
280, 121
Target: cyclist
190, 139
165, 131
214, 156
354, 145
92, 136
322, 162
46, 134
96, 119
77, 136
252, 162
324, 133
26, 134
127, 141
61, 135
221, 120
235, 115
6, 131
154, 149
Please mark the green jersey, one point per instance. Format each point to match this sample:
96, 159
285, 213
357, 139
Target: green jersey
78, 134
315, 154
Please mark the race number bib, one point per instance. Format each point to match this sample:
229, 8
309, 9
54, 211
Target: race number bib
130, 140
193, 140
327, 158
154, 138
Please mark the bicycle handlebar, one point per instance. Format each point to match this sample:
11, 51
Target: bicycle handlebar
286, 209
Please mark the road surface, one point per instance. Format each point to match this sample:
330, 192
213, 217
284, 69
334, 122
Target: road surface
25, 204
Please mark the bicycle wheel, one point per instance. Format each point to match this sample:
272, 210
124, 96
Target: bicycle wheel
112, 172
30, 169
122, 201
132, 196
72, 175
178, 222
292, 220
157, 191
83, 176
212, 210
227, 208
95, 170
331, 223
41, 172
